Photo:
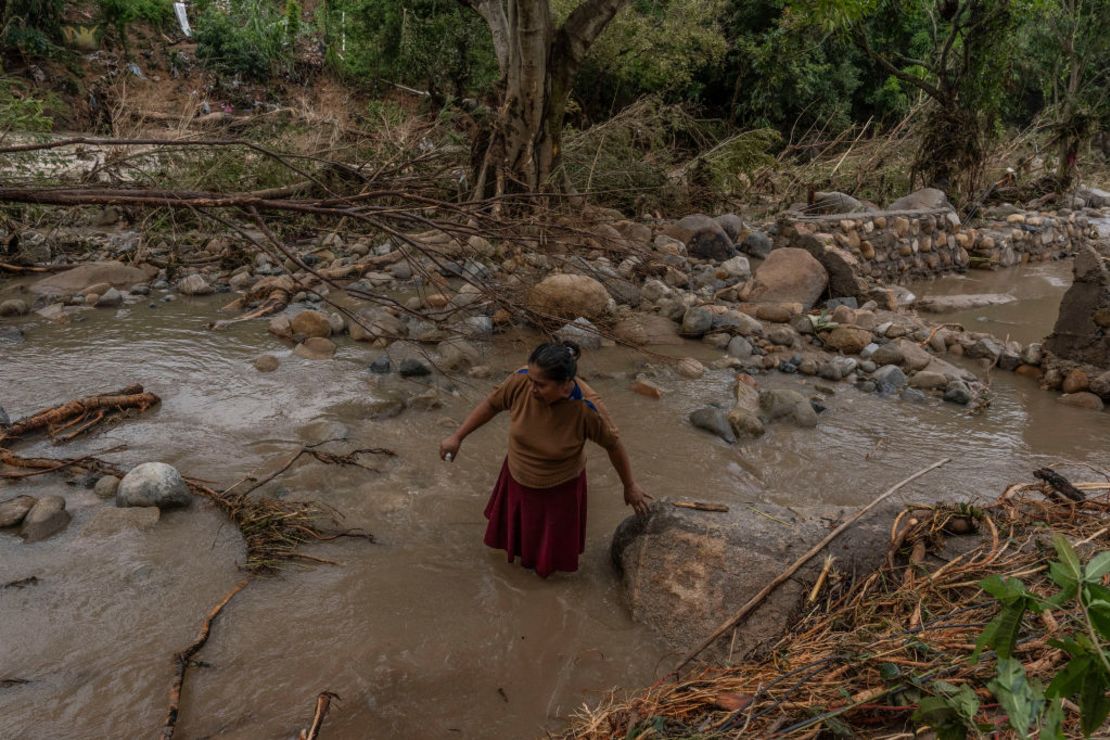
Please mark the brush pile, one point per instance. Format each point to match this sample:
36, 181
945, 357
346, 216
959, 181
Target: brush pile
874, 650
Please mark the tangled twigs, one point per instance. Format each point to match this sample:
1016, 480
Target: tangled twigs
183, 658
86, 412
351, 458
323, 704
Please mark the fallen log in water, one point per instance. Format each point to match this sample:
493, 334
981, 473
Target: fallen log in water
323, 704
80, 415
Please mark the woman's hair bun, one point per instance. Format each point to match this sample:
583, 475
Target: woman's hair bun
575, 350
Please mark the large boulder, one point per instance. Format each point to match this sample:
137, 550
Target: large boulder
45, 519
76, 280
569, 296
153, 484
1082, 331
704, 238
789, 275
926, 198
685, 571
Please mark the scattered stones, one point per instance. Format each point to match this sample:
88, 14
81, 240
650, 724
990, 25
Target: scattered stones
106, 486
45, 519
13, 510
153, 484
714, 421
315, 348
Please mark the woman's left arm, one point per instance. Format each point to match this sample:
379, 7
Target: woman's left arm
634, 496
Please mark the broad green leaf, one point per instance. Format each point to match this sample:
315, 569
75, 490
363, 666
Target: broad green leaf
1096, 591
1068, 681
1099, 612
1098, 567
1009, 625
1067, 556
1093, 704
1021, 699
1061, 576
1052, 722
1006, 590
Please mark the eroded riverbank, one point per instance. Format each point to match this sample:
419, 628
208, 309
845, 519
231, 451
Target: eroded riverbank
417, 632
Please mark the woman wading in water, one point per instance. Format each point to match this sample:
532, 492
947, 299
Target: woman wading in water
538, 507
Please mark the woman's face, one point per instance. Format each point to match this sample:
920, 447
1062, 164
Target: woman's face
545, 389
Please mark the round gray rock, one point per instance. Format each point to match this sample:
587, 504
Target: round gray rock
153, 484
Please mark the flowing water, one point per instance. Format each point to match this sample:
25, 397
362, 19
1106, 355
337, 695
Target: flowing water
425, 633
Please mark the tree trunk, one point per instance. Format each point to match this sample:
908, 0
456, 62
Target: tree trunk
538, 63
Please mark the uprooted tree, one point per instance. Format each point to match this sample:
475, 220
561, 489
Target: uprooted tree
538, 60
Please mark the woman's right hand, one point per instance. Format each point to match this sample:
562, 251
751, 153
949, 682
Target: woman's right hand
450, 446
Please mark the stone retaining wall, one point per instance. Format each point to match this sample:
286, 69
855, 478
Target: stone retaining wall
894, 246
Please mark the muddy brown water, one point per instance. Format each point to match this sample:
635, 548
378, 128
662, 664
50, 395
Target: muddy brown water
425, 634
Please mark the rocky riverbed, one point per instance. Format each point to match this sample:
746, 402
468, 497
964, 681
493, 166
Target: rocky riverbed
828, 403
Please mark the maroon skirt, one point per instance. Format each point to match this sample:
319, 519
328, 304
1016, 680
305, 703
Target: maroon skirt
545, 527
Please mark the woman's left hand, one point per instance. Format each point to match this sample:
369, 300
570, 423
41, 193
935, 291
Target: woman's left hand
635, 497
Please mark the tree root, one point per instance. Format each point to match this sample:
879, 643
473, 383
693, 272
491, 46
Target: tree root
182, 659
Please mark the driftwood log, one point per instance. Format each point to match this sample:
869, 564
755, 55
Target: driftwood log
1057, 486
323, 704
77, 417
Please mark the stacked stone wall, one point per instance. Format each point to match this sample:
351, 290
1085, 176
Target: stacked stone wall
895, 246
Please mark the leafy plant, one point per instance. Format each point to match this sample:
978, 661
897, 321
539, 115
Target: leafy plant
1086, 677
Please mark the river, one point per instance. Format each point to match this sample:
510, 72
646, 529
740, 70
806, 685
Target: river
425, 633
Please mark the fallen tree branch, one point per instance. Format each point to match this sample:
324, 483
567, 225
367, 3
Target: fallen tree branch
57, 418
182, 659
786, 574
1058, 487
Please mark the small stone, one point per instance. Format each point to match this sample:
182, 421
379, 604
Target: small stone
45, 519
690, 368
646, 388
412, 367
13, 307
1082, 400
381, 365
737, 267
986, 348
266, 363
958, 392
311, 323
740, 348
913, 395
889, 379
281, 326
106, 486
315, 348
457, 353
153, 484
1075, 381
888, 354
1100, 386
715, 421
847, 339
719, 340
13, 510
194, 285
481, 372
582, 332
1029, 371
109, 299
928, 380
697, 321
